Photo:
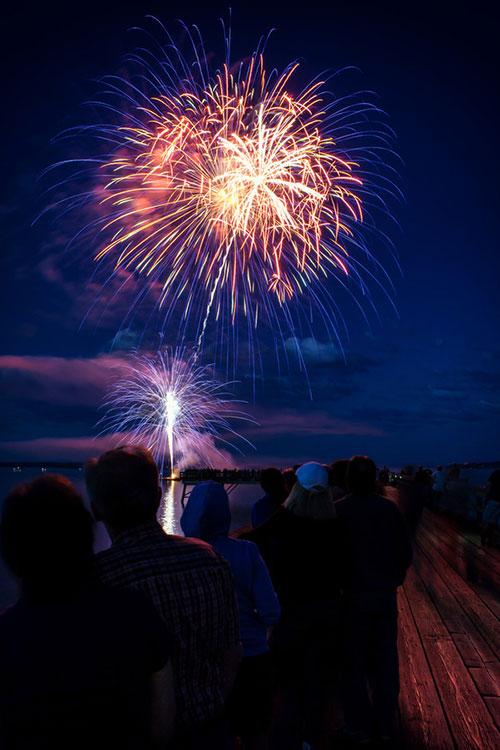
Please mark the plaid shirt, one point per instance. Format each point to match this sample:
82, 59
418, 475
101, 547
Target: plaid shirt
192, 589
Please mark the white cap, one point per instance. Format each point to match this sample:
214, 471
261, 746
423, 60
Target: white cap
312, 476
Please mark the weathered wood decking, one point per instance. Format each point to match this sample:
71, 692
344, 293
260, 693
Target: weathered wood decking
449, 641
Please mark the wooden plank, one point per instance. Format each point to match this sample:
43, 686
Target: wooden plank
423, 723
470, 722
474, 648
485, 681
471, 540
482, 617
467, 650
463, 551
479, 574
494, 709
484, 590
495, 670
455, 536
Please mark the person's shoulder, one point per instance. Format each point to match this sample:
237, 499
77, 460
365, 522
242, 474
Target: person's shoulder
166, 556
387, 509
243, 547
235, 542
171, 544
351, 502
196, 553
275, 521
188, 545
109, 561
245, 544
385, 502
237, 551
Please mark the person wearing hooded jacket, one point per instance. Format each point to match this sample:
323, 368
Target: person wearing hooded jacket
207, 516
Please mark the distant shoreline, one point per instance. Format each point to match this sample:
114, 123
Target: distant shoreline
54, 464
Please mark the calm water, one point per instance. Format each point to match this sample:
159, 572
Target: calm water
241, 500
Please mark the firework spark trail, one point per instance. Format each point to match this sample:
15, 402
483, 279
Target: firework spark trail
171, 411
236, 192
237, 179
209, 306
165, 400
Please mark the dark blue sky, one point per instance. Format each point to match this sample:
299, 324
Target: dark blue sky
422, 386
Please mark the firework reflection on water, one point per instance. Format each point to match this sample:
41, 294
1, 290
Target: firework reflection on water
167, 513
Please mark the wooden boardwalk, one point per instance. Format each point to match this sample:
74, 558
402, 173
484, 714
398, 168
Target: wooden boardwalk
449, 641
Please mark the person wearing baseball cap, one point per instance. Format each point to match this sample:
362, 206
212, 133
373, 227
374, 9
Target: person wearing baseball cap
313, 476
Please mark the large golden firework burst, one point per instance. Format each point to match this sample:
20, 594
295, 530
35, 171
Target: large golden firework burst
235, 181
235, 195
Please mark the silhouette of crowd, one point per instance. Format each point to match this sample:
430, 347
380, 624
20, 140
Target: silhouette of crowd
208, 641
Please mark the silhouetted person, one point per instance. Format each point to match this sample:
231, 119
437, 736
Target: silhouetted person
418, 495
384, 476
189, 584
301, 548
337, 477
377, 555
207, 516
438, 485
491, 512
271, 481
80, 666
289, 479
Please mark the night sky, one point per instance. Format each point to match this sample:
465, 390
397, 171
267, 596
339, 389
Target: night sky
420, 385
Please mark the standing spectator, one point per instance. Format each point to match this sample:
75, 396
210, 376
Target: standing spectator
271, 481
207, 516
438, 485
80, 666
337, 477
491, 512
419, 491
289, 479
377, 555
300, 544
384, 476
189, 584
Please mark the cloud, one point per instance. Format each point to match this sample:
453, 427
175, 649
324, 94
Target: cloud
321, 353
125, 340
313, 423
78, 448
455, 394
201, 452
485, 379
105, 298
313, 351
59, 380
45, 398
